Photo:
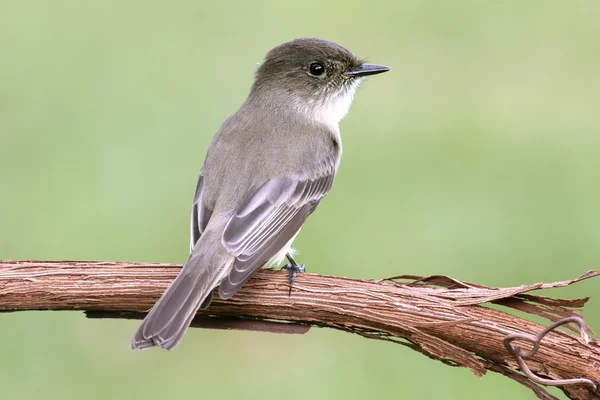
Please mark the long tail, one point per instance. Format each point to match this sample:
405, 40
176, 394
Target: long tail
167, 322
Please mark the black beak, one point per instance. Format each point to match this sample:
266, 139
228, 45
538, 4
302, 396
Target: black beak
367, 69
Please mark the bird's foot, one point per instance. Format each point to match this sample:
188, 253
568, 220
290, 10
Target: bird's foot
294, 268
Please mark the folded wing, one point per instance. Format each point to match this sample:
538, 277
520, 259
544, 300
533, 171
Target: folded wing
269, 219
200, 214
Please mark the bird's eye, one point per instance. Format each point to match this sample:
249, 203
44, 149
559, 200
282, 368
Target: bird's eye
316, 68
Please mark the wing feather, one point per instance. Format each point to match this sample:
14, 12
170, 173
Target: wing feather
269, 219
200, 214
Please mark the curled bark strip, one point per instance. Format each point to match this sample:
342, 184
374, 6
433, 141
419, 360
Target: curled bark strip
520, 356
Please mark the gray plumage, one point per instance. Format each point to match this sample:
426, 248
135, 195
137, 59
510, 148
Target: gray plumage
267, 169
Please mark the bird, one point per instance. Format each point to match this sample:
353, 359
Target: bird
267, 169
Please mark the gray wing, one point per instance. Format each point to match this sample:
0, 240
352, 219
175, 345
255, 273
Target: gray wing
269, 219
200, 214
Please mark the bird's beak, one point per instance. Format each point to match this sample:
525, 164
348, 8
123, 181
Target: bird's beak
367, 69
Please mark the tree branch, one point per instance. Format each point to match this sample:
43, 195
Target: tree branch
443, 318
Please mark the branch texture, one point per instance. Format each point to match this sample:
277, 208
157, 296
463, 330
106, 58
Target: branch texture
443, 318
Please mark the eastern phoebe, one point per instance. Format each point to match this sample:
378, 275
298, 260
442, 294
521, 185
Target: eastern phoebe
266, 171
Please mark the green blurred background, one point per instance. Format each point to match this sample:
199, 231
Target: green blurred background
476, 157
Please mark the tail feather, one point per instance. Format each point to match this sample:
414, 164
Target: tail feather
174, 299
175, 332
167, 322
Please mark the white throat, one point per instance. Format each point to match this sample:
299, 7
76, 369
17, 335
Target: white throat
331, 112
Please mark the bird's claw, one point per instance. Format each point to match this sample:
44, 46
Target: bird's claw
293, 268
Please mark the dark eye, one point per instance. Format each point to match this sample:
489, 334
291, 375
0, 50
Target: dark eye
316, 68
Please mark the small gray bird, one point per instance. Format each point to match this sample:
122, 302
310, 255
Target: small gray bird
267, 169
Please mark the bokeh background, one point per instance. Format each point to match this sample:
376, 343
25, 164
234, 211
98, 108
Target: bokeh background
476, 157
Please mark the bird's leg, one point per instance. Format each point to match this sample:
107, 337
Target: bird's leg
294, 268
